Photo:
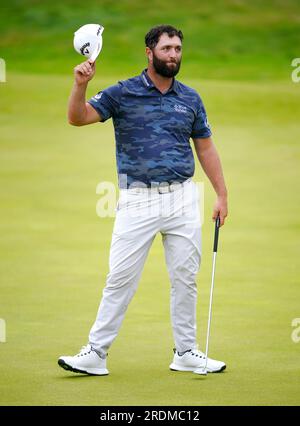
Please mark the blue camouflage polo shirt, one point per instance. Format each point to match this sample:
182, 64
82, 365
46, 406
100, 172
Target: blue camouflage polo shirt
152, 129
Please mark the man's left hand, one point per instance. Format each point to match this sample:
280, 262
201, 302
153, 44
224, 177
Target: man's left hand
220, 209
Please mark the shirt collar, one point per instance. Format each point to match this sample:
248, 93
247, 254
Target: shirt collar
146, 79
149, 83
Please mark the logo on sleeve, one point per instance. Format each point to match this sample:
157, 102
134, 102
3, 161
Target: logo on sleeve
207, 123
98, 96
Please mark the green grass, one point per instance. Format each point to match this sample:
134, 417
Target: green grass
232, 39
54, 254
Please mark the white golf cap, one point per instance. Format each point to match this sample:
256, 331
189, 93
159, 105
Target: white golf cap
88, 40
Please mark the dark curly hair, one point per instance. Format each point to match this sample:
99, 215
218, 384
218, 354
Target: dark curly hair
153, 36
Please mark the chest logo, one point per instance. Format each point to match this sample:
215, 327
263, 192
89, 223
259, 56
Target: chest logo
180, 108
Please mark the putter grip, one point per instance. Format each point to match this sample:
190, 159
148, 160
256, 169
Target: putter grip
216, 239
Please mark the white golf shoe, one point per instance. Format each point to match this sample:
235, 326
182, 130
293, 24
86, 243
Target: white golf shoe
87, 362
193, 359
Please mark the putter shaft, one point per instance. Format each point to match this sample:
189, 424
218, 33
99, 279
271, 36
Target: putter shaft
215, 249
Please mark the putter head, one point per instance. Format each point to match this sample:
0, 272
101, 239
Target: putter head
201, 371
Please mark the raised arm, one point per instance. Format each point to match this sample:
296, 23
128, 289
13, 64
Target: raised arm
211, 164
80, 112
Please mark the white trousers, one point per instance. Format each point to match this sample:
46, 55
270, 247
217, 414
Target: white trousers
140, 215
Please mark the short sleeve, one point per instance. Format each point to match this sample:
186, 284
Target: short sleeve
107, 102
201, 127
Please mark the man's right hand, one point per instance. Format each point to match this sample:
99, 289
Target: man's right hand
84, 72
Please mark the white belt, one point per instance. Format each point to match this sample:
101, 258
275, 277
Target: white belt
163, 188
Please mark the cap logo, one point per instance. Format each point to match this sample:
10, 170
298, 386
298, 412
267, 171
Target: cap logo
83, 47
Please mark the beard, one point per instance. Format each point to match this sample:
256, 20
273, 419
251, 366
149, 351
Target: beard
162, 68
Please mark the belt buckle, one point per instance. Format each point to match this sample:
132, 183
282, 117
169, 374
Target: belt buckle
163, 189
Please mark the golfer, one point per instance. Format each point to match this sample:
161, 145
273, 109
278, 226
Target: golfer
154, 117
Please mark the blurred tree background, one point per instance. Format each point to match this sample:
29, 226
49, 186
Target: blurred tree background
232, 39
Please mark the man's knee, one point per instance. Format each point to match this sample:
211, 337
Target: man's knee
121, 279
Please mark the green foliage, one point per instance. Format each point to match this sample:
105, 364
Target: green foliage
232, 39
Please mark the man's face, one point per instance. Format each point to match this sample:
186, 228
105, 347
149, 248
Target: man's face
166, 56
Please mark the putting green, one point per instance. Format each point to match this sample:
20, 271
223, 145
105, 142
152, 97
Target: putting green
54, 254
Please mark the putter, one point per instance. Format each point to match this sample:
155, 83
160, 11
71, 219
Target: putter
203, 370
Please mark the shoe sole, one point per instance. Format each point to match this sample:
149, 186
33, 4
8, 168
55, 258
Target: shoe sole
174, 367
65, 366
